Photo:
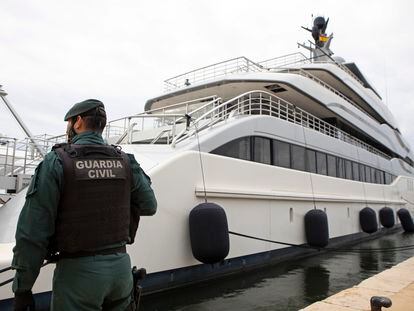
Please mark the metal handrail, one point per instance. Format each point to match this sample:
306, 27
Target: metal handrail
185, 103
234, 65
282, 61
216, 100
327, 86
128, 130
164, 117
213, 71
177, 118
264, 103
348, 71
18, 156
285, 60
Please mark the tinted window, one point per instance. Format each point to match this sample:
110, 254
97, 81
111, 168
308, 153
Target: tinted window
362, 172
373, 179
348, 169
298, 157
355, 170
321, 165
267, 151
311, 161
367, 174
388, 178
379, 178
261, 150
281, 154
331, 165
382, 177
341, 168
238, 148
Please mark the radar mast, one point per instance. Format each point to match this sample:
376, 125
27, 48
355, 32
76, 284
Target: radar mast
319, 49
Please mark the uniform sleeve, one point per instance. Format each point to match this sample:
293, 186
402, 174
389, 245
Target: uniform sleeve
36, 222
142, 195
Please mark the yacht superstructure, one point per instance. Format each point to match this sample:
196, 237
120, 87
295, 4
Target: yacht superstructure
268, 142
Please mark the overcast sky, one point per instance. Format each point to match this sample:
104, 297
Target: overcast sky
56, 53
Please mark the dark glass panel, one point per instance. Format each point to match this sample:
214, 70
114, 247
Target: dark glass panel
281, 154
310, 161
362, 172
238, 148
355, 171
331, 165
298, 157
373, 179
321, 164
348, 169
340, 168
367, 174
388, 178
261, 150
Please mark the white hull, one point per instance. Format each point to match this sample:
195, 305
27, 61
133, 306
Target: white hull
264, 207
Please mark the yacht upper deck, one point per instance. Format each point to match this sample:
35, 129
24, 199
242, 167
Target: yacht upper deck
242, 65
174, 124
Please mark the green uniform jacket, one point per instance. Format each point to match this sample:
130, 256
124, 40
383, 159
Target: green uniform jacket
36, 223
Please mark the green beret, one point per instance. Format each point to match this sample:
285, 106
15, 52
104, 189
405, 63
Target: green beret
83, 107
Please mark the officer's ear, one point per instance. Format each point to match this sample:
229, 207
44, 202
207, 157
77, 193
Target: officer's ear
78, 122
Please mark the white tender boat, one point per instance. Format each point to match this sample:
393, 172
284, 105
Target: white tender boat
268, 142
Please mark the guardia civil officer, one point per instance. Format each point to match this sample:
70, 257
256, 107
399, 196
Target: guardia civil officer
83, 205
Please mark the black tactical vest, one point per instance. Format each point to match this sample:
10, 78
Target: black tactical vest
94, 208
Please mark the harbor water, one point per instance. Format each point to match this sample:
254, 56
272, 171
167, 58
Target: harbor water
287, 286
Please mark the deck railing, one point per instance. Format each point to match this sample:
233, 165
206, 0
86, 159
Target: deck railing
235, 65
285, 61
165, 119
22, 156
243, 64
265, 103
307, 74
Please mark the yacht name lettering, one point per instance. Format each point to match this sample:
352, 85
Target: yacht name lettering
99, 168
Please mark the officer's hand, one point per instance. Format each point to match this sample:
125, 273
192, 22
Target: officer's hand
24, 301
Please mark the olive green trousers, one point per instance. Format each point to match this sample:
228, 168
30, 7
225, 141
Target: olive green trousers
100, 282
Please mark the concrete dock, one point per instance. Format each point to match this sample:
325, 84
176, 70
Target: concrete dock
396, 283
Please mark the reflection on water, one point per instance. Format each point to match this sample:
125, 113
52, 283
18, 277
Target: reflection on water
387, 258
288, 286
315, 275
369, 262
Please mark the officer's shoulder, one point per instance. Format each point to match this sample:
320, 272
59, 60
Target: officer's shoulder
132, 159
59, 146
52, 154
120, 151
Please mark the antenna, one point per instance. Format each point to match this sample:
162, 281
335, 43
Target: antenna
322, 40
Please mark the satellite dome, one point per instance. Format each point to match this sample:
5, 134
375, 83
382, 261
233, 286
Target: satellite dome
339, 59
319, 22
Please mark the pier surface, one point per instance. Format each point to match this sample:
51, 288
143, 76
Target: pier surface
396, 283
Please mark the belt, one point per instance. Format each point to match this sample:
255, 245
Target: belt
108, 251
